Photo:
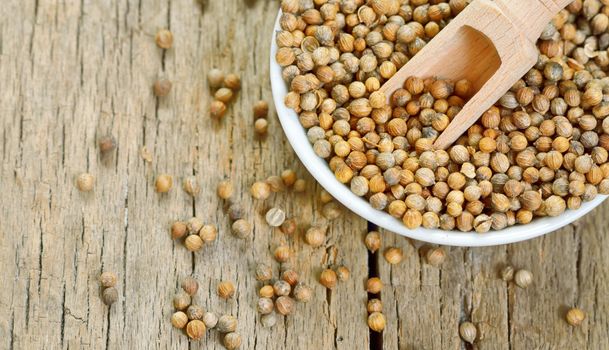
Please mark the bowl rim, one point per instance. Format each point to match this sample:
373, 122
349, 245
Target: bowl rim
318, 167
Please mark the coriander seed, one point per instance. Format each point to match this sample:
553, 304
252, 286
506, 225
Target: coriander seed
374, 305
268, 321
302, 293
179, 319
194, 225
217, 109
263, 272
436, 256
178, 230
328, 278
343, 273
315, 236
261, 109
289, 177
195, 312
163, 183
195, 329
260, 190
523, 278
190, 285
232, 341
300, 185
376, 321
261, 126
575, 317
282, 253
210, 319
85, 182
224, 95
226, 324
208, 233
215, 78
373, 241
393, 255
181, 301
191, 186
290, 276
107, 279
106, 144
374, 285
275, 217
265, 306
284, 305
161, 87
109, 295
232, 81
275, 183
235, 211
289, 226
241, 229
468, 332
507, 273
266, 291
225, 189
226, 290
282, 288
164, 39
193, 243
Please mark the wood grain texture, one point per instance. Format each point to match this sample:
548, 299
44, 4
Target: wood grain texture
72, 71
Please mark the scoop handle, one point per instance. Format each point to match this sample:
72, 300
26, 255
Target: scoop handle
531, 15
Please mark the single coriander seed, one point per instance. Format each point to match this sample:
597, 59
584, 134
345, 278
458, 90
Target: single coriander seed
232, 81
225, 189
195, 329
263, 272
106, 144
191, 186
215, 78
289, 177
217, 109
260, 190
300, 185
266, 291
284, 305
507, 273
289, 226
575, 317
193, 243
374, 305
164, 39
210, 319
261, 109
394, 255
261, 126
85, 182
468, 332
181, 301
241, 229
436, 256
328, 278
523, 278
282, 288
190, 285
315, 236
275, 217
226, 324
208, 233
268, 321
282, 253
374, 285
109, 295
179, 319
373, 241
232, 341
235, 211
195, 312
290, 276
302, 293
343, 274
178, 230
265, 306
107, 279
162, 87
377, 321
163, 183
194, 225
226, 290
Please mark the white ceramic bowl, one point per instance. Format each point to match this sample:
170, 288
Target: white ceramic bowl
322, 173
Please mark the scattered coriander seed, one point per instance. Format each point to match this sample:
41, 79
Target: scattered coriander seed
107, 279
178, 230
265, 306
374, 285
260, 190
232, 341
300, 185
85, 182
343, 274
193, 243
195, 312
195, 329
181, 301
523, 278
266, 291
225, 189
263, 272
331, 210
468, 332
217, 109
179, 319
261, 126
315, 236
289, 177
436, 256
241, 229
226, 289
194, 225
208, 233
284, 305
232, 81
190, 285
328, 278
282, 288
161, 87
235, 211
164, 39
374, 305
191, 186
224, 95
575, 317
394, 255
302, 293
275, 183
215, 78
507, 273
261, 109
290, 276
289, 226
109, 295
268, 321
275, 217
373, 241
325, 197
376, 321
163, 183
282, 253
106, 144
210, 319
226, 324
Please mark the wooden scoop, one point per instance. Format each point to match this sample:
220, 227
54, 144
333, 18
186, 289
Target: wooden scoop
491, 44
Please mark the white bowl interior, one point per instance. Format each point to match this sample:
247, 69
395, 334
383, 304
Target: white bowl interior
319, 169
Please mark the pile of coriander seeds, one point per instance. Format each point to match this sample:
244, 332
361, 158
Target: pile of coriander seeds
540, 150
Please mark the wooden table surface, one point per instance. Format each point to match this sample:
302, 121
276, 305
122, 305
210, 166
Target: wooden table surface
71, 71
